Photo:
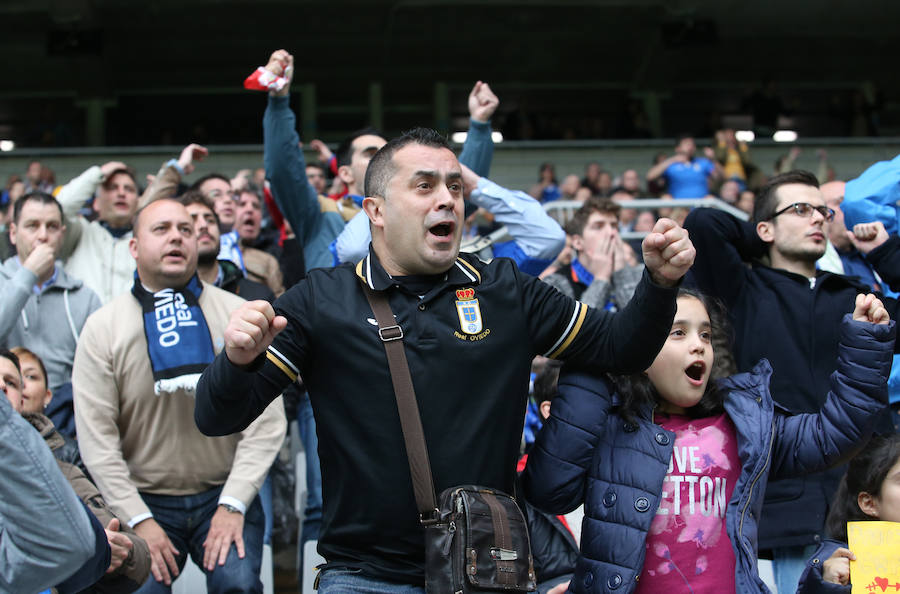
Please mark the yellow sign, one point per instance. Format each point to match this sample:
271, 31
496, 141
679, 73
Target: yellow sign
877, 549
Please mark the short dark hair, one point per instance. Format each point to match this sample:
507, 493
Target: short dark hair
318, 166
8, 354
129, 171
766, 201
36, 196
546, 381
344, 151
579, 220
637, 391
21, 352
381, 167
196, 185
865, 473
197, 197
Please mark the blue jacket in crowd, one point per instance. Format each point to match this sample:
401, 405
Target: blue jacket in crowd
811, 581
587, 453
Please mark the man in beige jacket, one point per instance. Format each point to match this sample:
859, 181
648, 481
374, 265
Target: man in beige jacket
182, 492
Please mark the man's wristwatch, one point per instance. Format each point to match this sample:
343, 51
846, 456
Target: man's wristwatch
230, 508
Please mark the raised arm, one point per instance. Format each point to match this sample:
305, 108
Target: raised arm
74, 194
534, 231
660, 168
626, 341
717, 172
811, 442
881, 250
724, 243
230, 393
283, 159
478, 150
165, 184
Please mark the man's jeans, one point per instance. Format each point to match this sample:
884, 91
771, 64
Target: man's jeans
788, 564
340, 581
186, 521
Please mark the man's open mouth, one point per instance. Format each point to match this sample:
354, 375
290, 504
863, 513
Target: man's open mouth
442, 229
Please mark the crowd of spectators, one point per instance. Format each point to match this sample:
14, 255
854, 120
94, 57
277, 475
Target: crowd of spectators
116, 293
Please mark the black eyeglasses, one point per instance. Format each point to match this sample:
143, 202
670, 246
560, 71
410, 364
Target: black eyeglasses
805, 210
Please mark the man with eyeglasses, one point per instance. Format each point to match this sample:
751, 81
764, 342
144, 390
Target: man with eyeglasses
786, 311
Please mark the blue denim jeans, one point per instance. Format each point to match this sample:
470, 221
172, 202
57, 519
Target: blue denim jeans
339, 581
788, 564
186, 521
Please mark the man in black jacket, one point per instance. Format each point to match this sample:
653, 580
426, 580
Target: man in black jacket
787, 312
470, 331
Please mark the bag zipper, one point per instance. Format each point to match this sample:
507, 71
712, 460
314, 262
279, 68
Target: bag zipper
451, 529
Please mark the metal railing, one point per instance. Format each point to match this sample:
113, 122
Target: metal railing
563, 210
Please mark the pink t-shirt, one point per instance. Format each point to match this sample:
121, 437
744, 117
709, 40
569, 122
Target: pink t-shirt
688, 549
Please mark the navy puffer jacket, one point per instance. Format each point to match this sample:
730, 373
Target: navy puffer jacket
811, 581
587, 453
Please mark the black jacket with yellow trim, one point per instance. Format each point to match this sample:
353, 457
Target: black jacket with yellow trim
469, 341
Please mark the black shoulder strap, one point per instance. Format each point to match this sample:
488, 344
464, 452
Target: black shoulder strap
413, 435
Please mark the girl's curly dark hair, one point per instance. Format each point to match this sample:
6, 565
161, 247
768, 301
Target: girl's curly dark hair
638, 393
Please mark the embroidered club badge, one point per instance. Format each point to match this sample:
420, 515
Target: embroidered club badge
469, 311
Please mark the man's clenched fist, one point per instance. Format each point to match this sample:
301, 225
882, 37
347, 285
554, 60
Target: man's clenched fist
250, 331
668, 252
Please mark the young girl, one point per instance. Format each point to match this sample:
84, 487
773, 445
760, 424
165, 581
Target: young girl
672, 467
869, 491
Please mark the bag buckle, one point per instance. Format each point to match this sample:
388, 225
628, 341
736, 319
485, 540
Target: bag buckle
498, 554
389, 333
435, 517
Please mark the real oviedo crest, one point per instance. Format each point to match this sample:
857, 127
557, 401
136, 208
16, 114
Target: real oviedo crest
468, 310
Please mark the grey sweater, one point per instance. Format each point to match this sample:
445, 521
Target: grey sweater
47, 323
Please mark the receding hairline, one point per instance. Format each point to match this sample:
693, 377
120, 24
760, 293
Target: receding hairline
135, 224
391, 168
454, 175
